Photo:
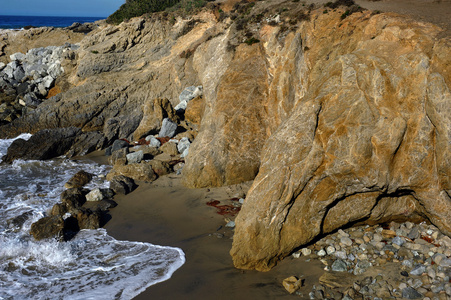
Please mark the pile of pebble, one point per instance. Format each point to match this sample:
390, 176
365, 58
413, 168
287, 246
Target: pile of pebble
26, 80
420, 251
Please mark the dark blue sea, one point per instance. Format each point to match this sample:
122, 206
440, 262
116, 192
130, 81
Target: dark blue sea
18, 22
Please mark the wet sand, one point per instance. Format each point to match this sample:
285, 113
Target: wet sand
166, 213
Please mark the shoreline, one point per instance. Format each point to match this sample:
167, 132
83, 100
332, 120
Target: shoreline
168, 214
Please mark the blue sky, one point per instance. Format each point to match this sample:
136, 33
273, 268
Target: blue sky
71, 8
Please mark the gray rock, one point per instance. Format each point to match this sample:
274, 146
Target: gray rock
122, 185
48, 81
17, 56
2, 66
361, 267
418, 270
119, 144
153, 141
168, 128
339, 266
181, 106
414, 233
19, 74
346, 241
230, 224
183, 144
445, 262
411, 293
185, 153
55, 70
31, 100
341, 255
397, 240
190, 93
135, 157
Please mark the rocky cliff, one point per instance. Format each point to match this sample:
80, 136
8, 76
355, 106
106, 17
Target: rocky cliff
337, 117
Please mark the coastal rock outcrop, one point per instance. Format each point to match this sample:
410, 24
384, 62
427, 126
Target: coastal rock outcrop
367, 142
338, 117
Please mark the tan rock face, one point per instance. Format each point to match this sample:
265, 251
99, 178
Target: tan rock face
368, 141
231, 135
154, 111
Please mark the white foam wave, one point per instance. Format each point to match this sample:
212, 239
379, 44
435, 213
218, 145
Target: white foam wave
91, 266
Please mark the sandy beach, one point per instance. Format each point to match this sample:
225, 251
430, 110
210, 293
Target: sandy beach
166, 213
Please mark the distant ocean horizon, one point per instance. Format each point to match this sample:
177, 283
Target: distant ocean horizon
19, 22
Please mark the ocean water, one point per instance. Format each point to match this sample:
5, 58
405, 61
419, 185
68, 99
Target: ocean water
18, 22
91, 266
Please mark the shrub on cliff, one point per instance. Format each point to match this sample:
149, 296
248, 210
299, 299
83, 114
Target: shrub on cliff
136, 8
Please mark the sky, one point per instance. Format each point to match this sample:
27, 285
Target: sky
70, 8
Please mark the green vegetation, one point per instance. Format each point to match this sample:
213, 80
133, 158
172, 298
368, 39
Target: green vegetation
136, 8
95, 52
251, 41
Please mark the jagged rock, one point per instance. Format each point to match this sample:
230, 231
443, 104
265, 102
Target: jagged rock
169, 148
88, 219
45, 144
79, 180
186, 95
139, 172
195, 110
183, 145
160, 167
353, 141
153, 141
154, 111
122, 184
119, 157
73, 198
47, 227
292, 284
99, 194
135, 157
18, 221
168, 128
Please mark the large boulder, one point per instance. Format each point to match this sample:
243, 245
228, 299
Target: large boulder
47, 227
227, 148
369, 141
45, 144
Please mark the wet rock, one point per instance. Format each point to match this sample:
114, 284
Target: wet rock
99, 194
45, 144
79, 180
88, 219
122, 185
59, 209
47, 227
73, 198
18, 221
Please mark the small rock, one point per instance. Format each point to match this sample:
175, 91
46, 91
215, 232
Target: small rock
398, 241
306, 251
168, 128
292, 284
418, 270
330, 250
122, 185
230, 224
153, 141
79, 180
339, 266
99, 194
346, 241
135, 157
411, 293
321, 253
